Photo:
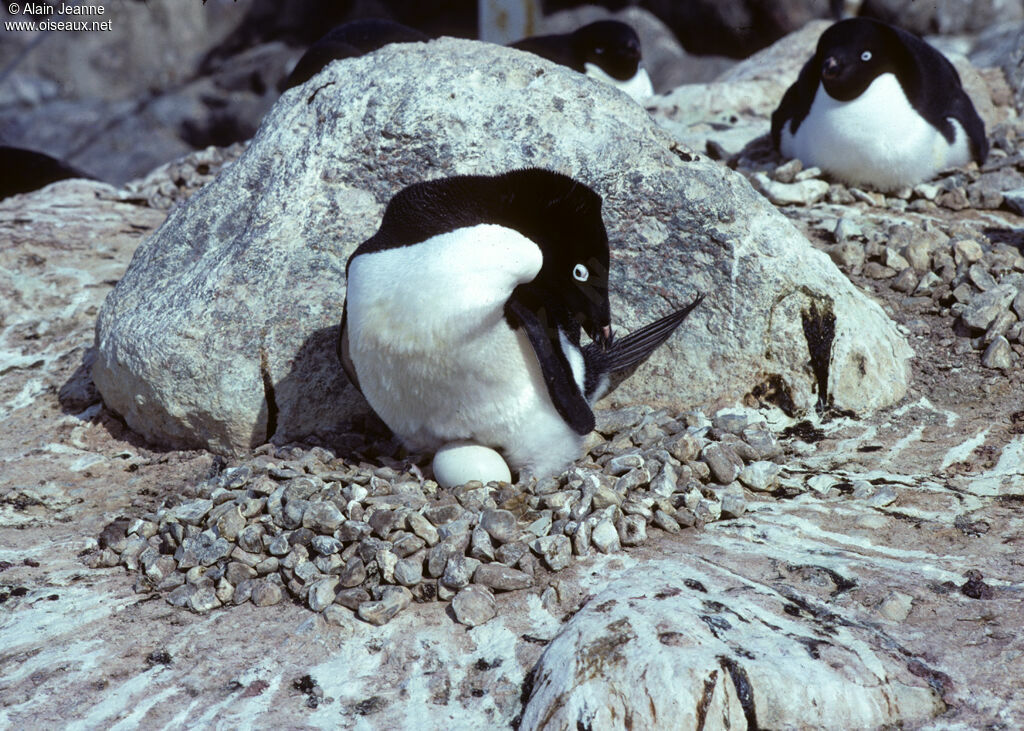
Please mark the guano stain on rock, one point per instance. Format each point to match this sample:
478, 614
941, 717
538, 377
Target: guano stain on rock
820, 330
744, 691
607, 649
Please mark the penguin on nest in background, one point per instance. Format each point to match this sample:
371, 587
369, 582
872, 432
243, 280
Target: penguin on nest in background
349, 40
607, 50
463, 317
877, 106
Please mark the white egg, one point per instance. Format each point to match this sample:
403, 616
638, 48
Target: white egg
459, 462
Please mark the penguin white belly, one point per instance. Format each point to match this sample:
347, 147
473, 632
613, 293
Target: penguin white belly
435, 357
877, 139
638, 86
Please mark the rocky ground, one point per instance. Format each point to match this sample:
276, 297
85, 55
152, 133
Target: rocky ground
879, 556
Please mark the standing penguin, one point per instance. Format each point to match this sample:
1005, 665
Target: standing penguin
607, 50
463, 315
878, 106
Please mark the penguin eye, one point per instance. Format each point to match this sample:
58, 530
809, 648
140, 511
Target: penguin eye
580, 273
866, 56
599, 50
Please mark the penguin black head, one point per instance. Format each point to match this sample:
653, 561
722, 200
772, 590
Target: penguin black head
560, 215
854, 52
611, 45
563, 217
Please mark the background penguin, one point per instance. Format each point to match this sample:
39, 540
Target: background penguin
607, 50
349, 40
463, 315
878, 106
28, 170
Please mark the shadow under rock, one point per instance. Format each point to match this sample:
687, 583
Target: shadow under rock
79, 392
1011, 236
315, 391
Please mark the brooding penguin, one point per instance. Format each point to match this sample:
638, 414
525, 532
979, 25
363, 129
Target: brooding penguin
606, 50
463, 316
878, 106
349, 40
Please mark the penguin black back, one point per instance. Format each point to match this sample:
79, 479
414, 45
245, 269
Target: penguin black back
349, 40
609, 44
28, 170
852, 53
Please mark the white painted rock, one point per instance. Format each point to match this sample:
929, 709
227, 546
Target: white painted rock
459, 462
679, 646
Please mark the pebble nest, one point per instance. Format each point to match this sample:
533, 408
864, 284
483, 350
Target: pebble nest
367, 534
968, 268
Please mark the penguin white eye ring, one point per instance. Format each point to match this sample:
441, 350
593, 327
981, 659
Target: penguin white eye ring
580, 273
866, 56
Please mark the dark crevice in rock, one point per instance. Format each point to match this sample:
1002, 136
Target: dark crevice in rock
311, 97
744, 691
525, 691
268, 394
694, 584
820, 331
811, 645
715, 624
682, 154
710, 683
805, 431
841, 582
774, 390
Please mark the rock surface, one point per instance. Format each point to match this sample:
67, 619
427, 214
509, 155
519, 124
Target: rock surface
899, 529
687, 641
116, 103
944, 16
243, 285
917, 502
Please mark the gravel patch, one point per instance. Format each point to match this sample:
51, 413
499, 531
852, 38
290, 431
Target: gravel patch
373, 536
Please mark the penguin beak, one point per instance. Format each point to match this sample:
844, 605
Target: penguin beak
605, 337
830, 69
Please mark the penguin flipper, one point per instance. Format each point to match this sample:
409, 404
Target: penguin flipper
636, 347
343, 353
796, 102
562, 388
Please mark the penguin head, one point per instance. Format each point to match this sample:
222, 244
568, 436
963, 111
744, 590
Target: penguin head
563, 217
853, 53
611, 45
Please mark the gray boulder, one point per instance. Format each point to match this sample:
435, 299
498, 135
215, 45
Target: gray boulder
222, 332
944, 16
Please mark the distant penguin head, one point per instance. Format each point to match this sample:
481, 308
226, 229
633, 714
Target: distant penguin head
855, 52
611, 45
563, 217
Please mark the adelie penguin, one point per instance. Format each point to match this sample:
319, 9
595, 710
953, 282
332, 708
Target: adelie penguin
463, 317
606, 50
877, 106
